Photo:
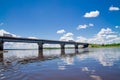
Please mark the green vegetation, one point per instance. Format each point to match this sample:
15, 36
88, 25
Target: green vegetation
104, 45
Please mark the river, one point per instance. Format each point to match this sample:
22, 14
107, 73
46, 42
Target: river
53, 64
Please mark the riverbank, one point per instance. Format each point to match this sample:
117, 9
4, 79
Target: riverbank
104, 45
90, 46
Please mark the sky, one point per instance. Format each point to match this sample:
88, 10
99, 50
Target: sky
92, 21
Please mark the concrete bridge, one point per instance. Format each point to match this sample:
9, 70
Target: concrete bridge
40, 42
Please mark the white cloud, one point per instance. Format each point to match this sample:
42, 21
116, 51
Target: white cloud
111, 36
51, 45
117, 26
3, 33
92, 14
104, 36
84, 26
68, 34
66, 37
1, 24
33, 37
81, 39
111, 8
14, 45
105, 32
90, 24
61, 31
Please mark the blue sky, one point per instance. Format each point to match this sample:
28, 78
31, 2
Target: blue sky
77, 19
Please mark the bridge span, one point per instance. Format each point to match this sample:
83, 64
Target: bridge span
40, 42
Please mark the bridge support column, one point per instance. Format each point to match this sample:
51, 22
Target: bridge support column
62, 49
62, 46
62, 52
85, 46
1, 50
40, 48
1, 45
76, 48
1, 56
40, 54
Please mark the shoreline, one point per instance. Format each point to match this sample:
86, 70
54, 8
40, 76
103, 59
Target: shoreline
67, 48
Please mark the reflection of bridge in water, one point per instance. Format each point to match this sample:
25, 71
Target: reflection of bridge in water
41, 57
40, 43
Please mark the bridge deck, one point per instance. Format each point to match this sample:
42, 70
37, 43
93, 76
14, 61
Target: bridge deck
30, 40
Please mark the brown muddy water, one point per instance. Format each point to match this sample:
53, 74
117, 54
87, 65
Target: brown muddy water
86, 64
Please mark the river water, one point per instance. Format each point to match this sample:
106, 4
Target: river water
54, 64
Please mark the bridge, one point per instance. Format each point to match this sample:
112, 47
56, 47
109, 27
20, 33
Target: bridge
40, 42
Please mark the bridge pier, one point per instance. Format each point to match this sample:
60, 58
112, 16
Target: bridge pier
40, 54
1, 45
40, 47
40, 51
76, 48
62, 49
85, 46
62, 46
1, 56
62, 52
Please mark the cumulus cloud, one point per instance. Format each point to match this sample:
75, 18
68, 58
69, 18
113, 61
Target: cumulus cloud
33, 37
104, 32
3, 32
81, 39
117, 27
66, 37
104, 36
90, 24
16, 45
92, 14
61, 31
112, 8
84, 26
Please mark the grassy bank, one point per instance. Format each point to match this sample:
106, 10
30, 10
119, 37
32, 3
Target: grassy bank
104, 45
